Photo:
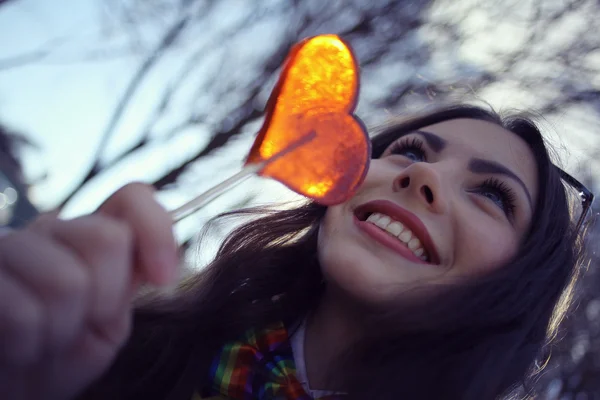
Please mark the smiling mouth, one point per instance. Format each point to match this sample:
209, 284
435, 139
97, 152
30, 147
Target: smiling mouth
400, 232
397, 229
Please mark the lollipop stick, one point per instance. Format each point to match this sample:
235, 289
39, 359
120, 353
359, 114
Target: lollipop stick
197, 203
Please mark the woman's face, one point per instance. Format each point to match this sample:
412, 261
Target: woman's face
449, 201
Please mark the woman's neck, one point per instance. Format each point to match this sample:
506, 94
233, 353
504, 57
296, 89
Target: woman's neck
330, 330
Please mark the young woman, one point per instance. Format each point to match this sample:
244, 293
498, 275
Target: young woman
442, 278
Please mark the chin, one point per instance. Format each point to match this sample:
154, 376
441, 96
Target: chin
359, 276
365, 273
352, 268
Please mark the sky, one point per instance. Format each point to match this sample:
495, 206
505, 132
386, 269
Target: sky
61, 102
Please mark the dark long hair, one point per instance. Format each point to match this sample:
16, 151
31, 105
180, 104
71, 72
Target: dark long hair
471, 341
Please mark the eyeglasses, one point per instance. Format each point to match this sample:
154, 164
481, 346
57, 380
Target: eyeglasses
585, 195
15, 208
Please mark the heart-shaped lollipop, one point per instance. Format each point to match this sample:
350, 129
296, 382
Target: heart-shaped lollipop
310, 140
316, 93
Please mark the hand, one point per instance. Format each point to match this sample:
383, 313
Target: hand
66, 289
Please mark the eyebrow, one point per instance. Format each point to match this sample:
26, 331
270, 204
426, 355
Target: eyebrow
481, 166
434, 142
476, 165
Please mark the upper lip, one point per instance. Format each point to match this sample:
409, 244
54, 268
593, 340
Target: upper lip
408, 219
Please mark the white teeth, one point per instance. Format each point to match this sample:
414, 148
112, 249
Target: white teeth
397, 229
405, 236
374, 217
414, 243
383, 221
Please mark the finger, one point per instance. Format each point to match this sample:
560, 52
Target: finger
90, 356
156, 249
53, 277
105, 247
21, 329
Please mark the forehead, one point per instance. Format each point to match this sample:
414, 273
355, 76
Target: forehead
470, 138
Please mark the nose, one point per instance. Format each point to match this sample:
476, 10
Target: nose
422, 182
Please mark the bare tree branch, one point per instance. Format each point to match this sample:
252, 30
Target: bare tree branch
168, 39
23, 59
34, 56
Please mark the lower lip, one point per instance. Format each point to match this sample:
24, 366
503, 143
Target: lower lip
387, 240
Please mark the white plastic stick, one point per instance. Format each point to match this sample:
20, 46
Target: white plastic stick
197, 203
203, 199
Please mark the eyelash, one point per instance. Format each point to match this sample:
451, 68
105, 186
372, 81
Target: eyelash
506, 195
401, 146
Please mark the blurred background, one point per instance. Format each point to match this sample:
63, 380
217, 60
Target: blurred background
171, 92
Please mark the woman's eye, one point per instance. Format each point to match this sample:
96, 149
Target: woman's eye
413, 155
500, 194
411, 149
495, 197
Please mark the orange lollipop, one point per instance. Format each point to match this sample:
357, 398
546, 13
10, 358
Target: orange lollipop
316, 92
310, 140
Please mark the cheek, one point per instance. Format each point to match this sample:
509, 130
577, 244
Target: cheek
485, 246
331, 246
345, 265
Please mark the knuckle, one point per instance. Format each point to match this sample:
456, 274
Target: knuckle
127, 195
136, 187
75, 285
112, 235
